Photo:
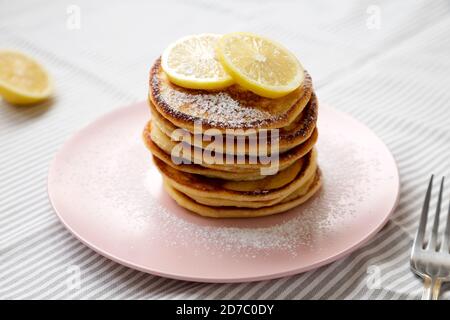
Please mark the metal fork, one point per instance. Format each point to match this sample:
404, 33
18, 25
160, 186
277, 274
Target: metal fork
430, 259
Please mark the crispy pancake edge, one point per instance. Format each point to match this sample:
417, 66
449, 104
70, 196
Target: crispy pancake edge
230, 212
185, 121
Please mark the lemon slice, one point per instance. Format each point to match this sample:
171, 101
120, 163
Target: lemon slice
191, 62
22, 79
259, 64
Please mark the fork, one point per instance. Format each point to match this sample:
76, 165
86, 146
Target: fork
430, 259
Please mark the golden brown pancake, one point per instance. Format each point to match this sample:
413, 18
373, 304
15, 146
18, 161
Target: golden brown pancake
234, 212
196, 185
290, 136
198, 169
164, 143
230, 108
269, 182
249, 204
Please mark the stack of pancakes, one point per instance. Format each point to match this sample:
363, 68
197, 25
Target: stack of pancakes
233, 188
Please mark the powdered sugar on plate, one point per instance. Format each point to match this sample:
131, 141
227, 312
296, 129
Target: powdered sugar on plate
349, 171
106, 190
345, 169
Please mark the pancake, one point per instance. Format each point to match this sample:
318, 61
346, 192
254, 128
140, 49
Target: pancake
234, 212
230, 108
197, 169
250, 204
290, 136
269, 182
196, 185
167, 146
187, 126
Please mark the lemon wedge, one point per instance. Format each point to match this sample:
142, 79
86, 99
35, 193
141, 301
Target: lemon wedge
191, 62
22, 79
260, 64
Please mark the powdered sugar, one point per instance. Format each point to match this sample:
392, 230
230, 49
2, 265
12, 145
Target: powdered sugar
105, 188
345, 168
349, 172
217, 107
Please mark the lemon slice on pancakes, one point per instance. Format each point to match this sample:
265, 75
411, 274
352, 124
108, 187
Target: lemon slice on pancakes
22, 79
260, 64
191, 62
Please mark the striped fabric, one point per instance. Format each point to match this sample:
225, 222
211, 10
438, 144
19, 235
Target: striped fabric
384, 62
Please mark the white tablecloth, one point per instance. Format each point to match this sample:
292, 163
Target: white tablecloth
387, 63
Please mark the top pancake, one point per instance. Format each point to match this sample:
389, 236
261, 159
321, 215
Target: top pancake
230, 108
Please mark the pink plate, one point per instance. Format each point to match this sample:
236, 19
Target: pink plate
107, 192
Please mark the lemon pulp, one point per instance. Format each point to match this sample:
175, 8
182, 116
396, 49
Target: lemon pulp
260, 64
191, 62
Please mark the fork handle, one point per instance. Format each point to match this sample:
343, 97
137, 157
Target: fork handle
431, 288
